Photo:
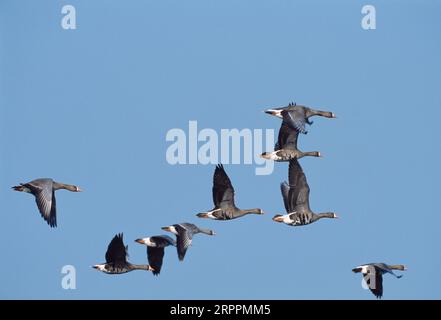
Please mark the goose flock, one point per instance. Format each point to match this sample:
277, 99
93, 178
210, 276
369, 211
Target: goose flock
295, 195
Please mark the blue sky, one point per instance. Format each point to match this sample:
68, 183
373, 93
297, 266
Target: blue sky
92, 107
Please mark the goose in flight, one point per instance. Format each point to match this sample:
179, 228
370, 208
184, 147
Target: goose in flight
184, 235
286, 146
223, 199
155, 250
296, 199
116, 259
297, 115
44, 192
373, 275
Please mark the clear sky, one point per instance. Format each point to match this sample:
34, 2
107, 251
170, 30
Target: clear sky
92, 107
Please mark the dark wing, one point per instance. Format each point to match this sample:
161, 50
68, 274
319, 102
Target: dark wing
183, 239
284, 187
374, 280
295, 119
298, 187
155, 256
287, 138
45, 198
116, 253
223, 191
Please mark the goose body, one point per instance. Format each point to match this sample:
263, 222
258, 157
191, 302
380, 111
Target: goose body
373, 275
296, 116
286, 146
44, 192
184, 236
116, 259
296, 199
223, 199
155, 250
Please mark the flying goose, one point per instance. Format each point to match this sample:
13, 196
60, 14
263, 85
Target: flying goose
286, 146
296, 199
373, 275
116, 259
184, 234
44, 192
223, 199
297, 115
155, 250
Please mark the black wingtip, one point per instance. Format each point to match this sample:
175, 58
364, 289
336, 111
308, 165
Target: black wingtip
220, 166
52, 223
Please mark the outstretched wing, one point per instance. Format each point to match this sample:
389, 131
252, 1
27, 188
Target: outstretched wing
223, 191
45, 198
298, 187
374, 280
295, 119
116, 253
183, 239
155, 257
287, 138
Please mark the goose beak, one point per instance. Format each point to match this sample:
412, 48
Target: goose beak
166, 228
140, 241
95, 267
265, 155
278, 218
202, 215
